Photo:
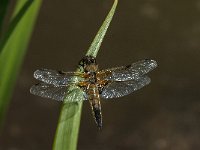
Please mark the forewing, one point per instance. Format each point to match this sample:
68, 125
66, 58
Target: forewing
55, 92
131, 72
54, 77
122, 88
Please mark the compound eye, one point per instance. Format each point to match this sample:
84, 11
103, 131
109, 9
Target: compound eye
93, 60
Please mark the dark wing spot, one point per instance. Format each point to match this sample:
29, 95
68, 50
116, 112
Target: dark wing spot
128, 66
61, 72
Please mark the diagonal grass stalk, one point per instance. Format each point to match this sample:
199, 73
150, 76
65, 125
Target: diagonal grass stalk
68, 125
13, 47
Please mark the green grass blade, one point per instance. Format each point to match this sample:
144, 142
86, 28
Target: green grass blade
3, 9
94, 47
68, 125
13, 48
17, 16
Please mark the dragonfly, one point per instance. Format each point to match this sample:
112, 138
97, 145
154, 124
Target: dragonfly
94, 83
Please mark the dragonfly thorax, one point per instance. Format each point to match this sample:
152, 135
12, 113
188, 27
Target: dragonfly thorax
91, 68
92, 77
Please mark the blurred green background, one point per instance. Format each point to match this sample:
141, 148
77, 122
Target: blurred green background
162, 116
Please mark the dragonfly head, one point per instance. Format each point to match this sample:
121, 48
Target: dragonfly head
89, 64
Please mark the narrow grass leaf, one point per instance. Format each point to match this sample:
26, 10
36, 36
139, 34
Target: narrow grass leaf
68, 125
94, 47
13, 47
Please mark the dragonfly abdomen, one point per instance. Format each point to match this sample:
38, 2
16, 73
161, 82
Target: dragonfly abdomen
93, 97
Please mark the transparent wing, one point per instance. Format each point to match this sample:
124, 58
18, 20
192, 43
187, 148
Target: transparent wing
130, 72
56, 92
54, 77
122, 88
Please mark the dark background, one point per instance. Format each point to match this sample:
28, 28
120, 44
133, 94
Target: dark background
162, 116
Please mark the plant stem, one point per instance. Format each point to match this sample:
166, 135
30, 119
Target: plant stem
68, 125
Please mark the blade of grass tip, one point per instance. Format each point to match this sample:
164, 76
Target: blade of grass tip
14, 47
68, 125
94, 47
3, 9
